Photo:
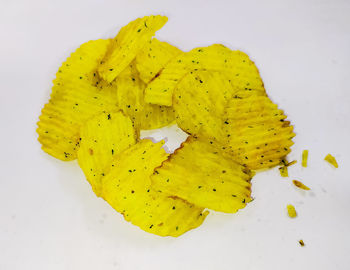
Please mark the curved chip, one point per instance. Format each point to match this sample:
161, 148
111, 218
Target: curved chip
153, 58
127, 44
127, 188
255, 131
73, 100
130, 98
331, 160
239, 68
300, 185
102, 138
200, 174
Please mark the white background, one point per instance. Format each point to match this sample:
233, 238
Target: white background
50, 218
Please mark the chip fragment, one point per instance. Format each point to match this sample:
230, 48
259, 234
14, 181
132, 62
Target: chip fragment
300, 185
127, 188
102, 138
304, 157
127, 44
256, 132
291, 211
283, 171
202, 175
330, 159
153, 58
239, 68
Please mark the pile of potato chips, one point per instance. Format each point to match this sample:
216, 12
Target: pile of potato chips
109, 90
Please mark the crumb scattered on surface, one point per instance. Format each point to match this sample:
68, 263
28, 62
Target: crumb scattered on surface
305, 156
301, 242
291, 211
300, 185
329, 158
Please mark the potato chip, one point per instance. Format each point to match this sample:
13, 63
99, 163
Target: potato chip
200, 174
300, 185
130, 98
239, 68
301, 242
291, 211
304, 158
103, 138
199, 102
256, 133
73, 101
329, 158
153, 58
127, 188
127, 44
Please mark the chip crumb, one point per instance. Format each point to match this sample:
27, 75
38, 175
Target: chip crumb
291, 163
291, 211
305, 156
329, 158
300, 185
283, 171
301, 242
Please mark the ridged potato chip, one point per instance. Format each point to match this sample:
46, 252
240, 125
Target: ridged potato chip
200, 174
153, 58
256, 132
130, 98
127, 188
239, 68
199, 101
73, 100
103, 138
127, 44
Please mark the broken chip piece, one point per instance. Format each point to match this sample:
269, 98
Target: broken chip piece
305, 156
330, 159
300, 185
127, 188
291, 211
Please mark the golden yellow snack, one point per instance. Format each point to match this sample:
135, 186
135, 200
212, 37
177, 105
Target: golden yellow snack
239, 68
283, 171
301, 242
304, 158
127, 44
73, 100
200, 174
291, 163
291, 211
199, 102
300, 185
329, 158
130, 98
127, 188
103, 138
255, 131
153, 58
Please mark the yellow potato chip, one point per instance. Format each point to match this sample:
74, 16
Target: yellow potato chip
200, 174
127, 188
153, 58
239, 68
73, 101
199, 102
291, 211
130, 98
127, 44
256, 132
103, 138
329, 158
300, 185
304, 158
